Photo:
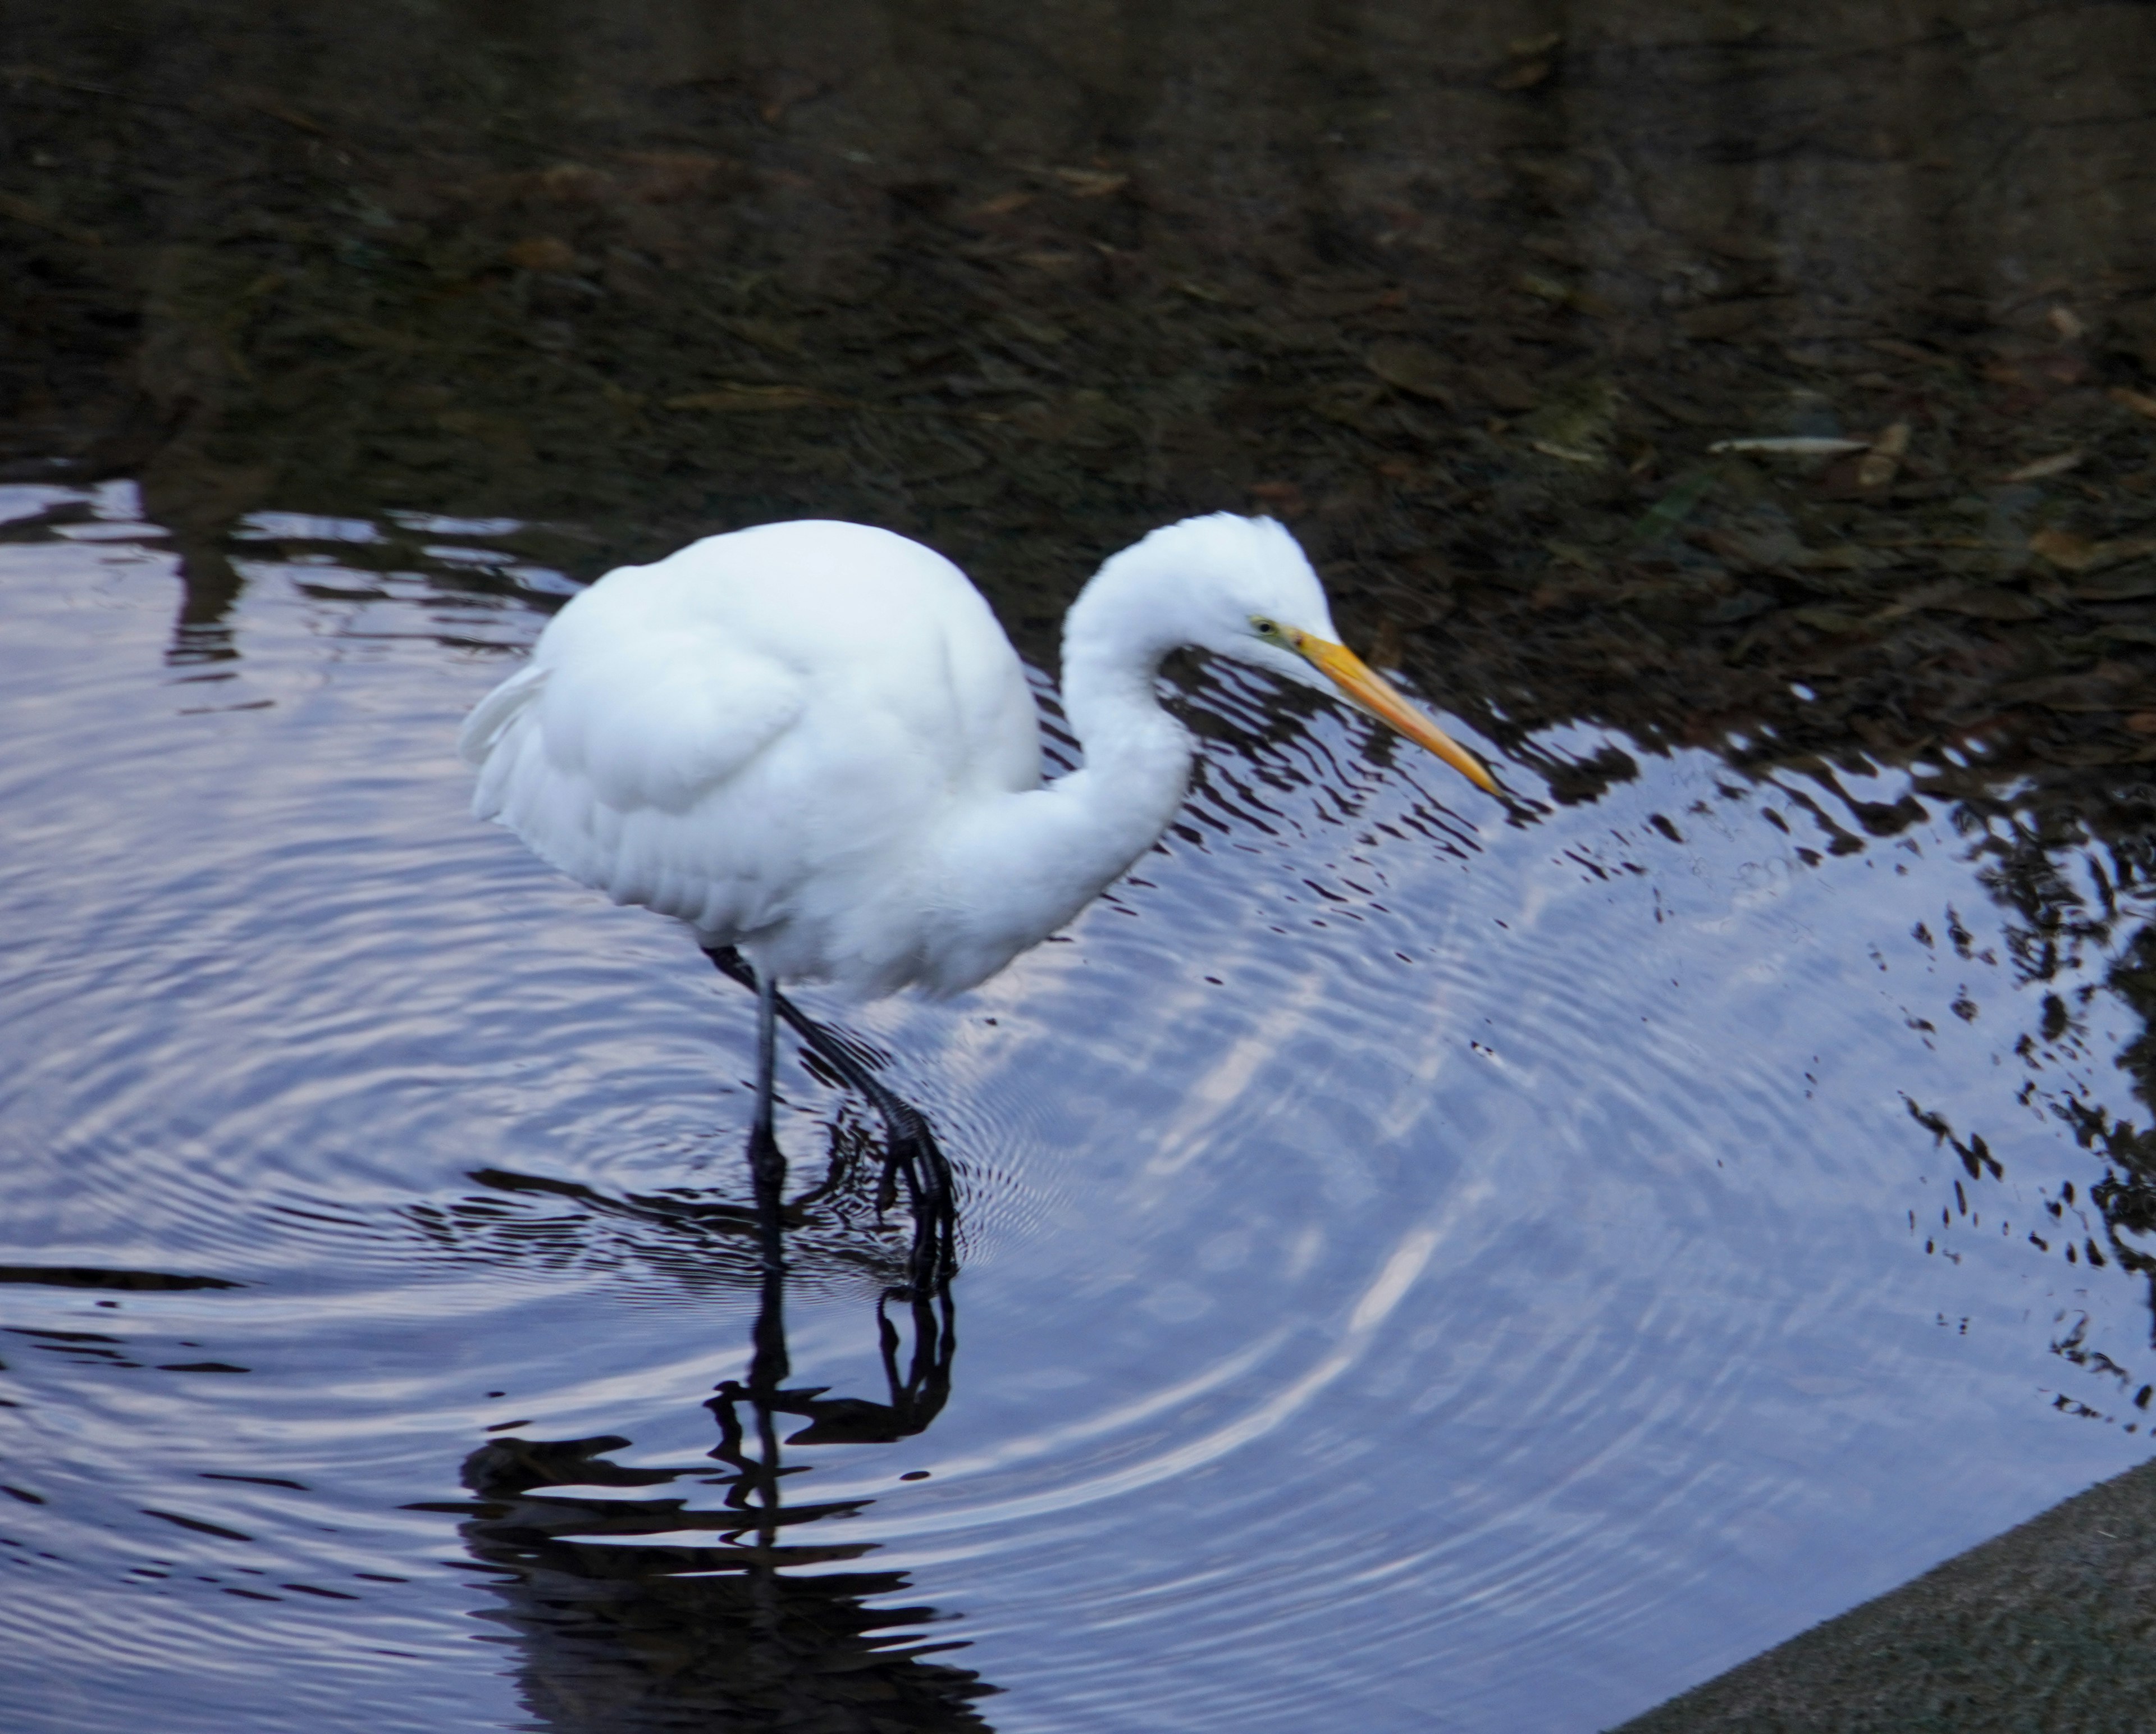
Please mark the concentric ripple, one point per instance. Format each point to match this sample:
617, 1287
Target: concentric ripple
1421, 1268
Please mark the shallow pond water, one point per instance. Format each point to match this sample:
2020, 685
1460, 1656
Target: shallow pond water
1418, 1269
1421, 1265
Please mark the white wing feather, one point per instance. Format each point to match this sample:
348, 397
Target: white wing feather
756, 735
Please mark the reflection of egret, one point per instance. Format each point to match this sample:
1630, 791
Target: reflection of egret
811, 742
636, 1615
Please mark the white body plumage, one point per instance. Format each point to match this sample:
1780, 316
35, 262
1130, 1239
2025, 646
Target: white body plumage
812, 740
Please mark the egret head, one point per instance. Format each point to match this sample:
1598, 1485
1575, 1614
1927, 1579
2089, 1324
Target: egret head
1254, 597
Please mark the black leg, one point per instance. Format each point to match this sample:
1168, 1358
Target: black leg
767, 1162
910, 1149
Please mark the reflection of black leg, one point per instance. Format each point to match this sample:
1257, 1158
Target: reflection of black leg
910, 1146
766, 1164
920, 1395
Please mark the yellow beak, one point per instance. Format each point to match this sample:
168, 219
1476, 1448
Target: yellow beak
1368, 692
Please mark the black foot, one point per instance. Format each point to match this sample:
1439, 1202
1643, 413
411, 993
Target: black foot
911, 1151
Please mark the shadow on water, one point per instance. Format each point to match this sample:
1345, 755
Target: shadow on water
624, 1623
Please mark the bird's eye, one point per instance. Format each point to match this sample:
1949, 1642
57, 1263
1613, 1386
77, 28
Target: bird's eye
1264, 627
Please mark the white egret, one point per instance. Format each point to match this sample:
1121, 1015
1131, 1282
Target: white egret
811, 741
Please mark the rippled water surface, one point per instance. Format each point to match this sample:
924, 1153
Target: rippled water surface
1418, 1270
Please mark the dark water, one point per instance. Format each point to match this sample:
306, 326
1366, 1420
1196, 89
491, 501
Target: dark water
1418, 1268
1418, 1271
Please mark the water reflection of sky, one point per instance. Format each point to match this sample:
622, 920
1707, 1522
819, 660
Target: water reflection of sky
1420, 1270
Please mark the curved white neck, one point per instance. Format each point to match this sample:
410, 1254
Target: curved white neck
1137, 756
1022, 866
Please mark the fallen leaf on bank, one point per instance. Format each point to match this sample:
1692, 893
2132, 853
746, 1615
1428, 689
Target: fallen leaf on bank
1502, 387
946, 461
1523, 77
2122, 586
1529, 47
1084, 420
1674, 507
1759, 550
574, 184
500, 433
1843, 556
1884, 458
1037, 331
1574, 425
1090, 183
1284, 500
2058, 464
775, 335
1910, 352
1560, 294
277, 110
784, 89
1905, 608
1990, 602
1386, 649
1346, 402
1747, 249
23, 210
1743, 606
2064, 321
2080, 755
360, 335
2082, 692
565, 183
665, 176
1003, 204
2062, 548
1721, 319
1414, 367
2140, 402
747, 397
1829, 620
1201, 292
1791, 446
1675, 408
541, 253
1956, 596
2075, 553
